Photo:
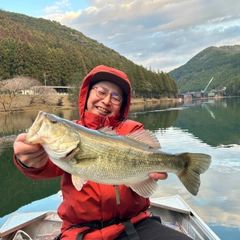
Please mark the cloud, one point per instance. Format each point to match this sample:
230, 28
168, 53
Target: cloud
58, 10
161, 34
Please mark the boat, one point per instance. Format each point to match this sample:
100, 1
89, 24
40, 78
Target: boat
177, 214
45, 225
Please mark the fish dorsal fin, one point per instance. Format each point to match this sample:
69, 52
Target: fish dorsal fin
108, 130
145, 188
145, 136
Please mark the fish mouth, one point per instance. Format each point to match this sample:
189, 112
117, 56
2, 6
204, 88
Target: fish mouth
39, 119
33, 131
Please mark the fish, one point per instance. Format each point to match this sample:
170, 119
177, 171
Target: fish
105, 157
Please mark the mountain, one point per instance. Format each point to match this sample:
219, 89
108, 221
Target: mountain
221, 63
50, 52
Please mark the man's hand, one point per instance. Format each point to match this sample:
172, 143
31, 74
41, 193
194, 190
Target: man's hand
31, 155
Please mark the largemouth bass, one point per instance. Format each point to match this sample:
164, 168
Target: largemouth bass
103, 156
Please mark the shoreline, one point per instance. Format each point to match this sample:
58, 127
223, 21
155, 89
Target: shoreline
67, 105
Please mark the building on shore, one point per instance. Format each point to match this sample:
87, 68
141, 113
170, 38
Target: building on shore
202, 95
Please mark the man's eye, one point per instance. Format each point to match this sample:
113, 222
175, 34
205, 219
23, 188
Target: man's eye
101, 91
116, 98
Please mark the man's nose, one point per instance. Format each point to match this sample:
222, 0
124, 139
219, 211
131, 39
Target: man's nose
107, 99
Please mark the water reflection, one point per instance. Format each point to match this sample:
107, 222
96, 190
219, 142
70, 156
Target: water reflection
209, 127
17, 189
20, 121
218, 199
215, 131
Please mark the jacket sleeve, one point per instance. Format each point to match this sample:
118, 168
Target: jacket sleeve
49, 170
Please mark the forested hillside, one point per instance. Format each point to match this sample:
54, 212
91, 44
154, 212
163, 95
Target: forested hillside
55, 54
222, 63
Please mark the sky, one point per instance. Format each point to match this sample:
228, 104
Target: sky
157, 34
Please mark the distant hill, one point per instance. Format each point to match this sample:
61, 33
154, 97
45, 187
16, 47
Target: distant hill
222, 63
50, 52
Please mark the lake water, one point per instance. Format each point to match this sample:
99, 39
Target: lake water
210, 127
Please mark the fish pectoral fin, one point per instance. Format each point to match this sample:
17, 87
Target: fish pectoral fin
85, 159
145, 188
78, 182
145, 136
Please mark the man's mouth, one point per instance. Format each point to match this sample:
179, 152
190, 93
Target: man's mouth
102, 109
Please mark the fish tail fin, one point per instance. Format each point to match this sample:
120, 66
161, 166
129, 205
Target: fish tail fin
195, 164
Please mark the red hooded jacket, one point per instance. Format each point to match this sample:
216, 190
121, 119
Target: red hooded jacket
96, 202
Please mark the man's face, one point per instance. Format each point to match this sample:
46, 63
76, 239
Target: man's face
103, 99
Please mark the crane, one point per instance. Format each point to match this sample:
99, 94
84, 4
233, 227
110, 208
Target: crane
207, 85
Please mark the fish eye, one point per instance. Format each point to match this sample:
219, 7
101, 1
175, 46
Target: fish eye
54, 121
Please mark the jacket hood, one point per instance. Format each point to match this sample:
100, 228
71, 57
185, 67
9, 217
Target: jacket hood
108, 74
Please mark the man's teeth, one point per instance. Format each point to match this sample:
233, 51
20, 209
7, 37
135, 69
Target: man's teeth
102, 109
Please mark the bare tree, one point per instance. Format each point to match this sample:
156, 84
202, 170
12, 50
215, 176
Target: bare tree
44, 94
10, 88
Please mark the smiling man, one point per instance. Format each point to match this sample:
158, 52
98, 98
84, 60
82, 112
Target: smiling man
93, 212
